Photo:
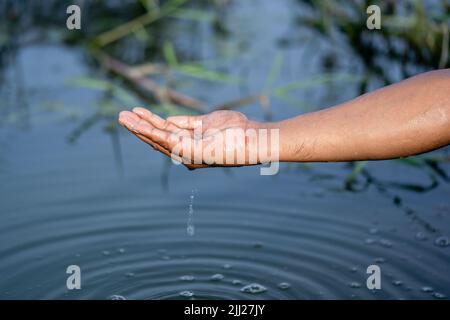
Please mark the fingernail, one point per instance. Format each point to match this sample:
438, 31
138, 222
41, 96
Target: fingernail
138, 111
128, 123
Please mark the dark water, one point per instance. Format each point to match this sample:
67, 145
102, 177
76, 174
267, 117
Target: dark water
296, 235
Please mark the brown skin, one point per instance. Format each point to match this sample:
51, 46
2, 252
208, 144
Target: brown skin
404, 119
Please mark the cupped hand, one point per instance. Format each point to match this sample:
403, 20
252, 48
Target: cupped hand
189, 132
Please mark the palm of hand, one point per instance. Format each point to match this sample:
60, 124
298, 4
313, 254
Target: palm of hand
223, 120
163, 135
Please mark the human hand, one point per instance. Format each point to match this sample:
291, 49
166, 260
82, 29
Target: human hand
212, 135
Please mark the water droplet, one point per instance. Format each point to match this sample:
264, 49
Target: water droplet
439, 295
227, 266
427, 289
190, 229
186, 294
217, 277
129, 274
370, 241
379, 260
354, 269
253, 288
187, 278
373, 230
236, 282
284, 285
397, 283
116, 297
165, 258
385, 243
106, 253
121, 250
421, 236
442, 241
354, 285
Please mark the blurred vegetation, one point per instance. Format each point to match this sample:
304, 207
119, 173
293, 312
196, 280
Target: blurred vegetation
414, 35
135, 58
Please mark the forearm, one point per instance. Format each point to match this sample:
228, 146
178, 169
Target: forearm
407, 118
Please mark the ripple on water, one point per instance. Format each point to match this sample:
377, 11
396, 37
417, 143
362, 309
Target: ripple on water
439, 295
284, 285
187, 278
253, 288
311, 253
354, 285
186, 294
217, 277
442, 241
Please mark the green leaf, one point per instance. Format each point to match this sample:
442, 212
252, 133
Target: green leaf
103, 85
193, 14
274, 71
169, 54
359, 166
315, 81
412, 161
198, 71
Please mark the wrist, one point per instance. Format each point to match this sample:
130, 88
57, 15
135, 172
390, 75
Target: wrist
269, 140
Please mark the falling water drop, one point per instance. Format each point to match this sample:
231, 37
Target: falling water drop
236, 282
386, 243
217, 277
253, 288
442, 241
421, 236
186, 294
187, 277
354, 285
397, 283
427, 289
284, 285
190, 222
439, 295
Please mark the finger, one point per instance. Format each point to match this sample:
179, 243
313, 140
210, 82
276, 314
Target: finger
171, 155
159, 148
160, 140
129, 120
149, 116
155, 120
126, 114
186, 122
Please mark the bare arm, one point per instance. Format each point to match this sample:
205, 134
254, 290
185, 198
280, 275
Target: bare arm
407, 118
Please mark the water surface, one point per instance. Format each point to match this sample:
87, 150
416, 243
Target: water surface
296, 235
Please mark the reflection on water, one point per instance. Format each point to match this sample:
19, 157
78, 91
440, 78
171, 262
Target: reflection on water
120, 212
